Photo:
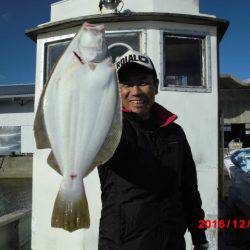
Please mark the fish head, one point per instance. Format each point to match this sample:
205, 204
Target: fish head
92, 46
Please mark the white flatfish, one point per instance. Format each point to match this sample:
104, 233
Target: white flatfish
79, 118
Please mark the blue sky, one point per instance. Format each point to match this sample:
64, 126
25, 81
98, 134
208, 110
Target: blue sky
18, 52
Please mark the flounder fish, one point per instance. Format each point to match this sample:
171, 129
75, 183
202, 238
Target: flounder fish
79, 117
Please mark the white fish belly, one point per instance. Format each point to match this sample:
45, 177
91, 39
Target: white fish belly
79, 108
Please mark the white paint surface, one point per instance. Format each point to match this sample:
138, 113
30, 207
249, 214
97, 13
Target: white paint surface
197, 112
28, 144
74, 8
45, 189
12, 114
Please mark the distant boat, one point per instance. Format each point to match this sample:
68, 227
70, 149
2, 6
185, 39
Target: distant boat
237, 163
234, 144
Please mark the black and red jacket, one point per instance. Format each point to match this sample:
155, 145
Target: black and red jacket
149, 184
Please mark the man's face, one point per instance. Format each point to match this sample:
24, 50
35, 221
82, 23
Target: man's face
138, 93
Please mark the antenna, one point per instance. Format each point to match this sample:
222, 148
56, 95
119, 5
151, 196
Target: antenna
110, 5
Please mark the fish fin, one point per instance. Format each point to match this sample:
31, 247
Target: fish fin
92, 66
53, 163
92, 167
40, 132
71, 211
41, 136
109, 146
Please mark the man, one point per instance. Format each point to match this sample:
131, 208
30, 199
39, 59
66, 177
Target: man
149, 186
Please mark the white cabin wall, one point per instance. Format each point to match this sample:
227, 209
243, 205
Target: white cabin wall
74, 8
28, 144
46, 184
176, 6
13, 114
198, 115
197, 112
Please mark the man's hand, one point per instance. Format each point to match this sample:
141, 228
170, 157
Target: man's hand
202, 247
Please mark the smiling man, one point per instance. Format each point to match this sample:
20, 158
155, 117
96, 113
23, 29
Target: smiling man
138, 91
149, 187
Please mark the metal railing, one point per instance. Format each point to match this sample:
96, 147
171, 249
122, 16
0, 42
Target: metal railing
15, 230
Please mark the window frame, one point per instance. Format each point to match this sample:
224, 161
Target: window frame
206, 60
142, 36
45, 66
142, 44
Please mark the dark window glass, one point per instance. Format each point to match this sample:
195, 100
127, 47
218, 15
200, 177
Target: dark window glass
10, 140
247, 129
53, 51
227, 128
119, 43
183, 61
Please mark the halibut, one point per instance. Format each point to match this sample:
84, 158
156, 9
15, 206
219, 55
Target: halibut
79, 117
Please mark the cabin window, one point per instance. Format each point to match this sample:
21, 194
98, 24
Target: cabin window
184, 61
53, 51
227, 128
247, 131
10, 140
118, 42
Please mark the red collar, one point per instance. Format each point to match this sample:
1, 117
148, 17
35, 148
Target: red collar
162, 115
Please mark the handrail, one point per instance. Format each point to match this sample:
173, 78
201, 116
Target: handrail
14, 216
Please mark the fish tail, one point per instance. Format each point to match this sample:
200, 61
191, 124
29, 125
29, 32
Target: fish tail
71, 211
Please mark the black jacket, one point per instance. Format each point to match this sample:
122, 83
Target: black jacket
149, 186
